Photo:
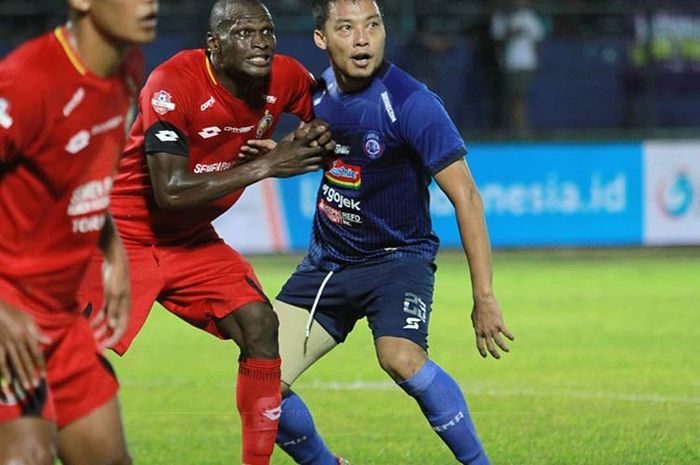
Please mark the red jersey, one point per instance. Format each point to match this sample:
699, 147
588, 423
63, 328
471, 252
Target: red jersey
61, 131
184, 111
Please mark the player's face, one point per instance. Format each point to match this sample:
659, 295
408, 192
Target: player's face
244, 44
130, 22
354, 38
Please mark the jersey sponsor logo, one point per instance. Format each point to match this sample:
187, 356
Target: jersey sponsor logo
388, 107
344, 175
167, 135
264, 124
338, 217
108, 125
213, 131
335, 197
6, 120
89, 202
74, 101
373, 145
212, 167
162, 102
271, 99
208, 104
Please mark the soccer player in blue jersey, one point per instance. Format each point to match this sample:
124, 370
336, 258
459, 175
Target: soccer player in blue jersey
372, 249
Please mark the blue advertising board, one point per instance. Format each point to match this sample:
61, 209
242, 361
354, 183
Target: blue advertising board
534, 195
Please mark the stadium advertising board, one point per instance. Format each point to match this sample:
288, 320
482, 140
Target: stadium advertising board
672, 193
553, 195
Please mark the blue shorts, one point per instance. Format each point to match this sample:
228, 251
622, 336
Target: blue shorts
394, 294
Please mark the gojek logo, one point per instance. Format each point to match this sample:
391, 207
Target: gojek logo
676, 198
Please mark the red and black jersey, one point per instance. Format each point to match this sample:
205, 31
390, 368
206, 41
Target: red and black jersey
184, 111
62, 129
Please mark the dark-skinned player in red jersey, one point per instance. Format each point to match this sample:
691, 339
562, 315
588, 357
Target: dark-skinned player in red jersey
64, 100
182, 168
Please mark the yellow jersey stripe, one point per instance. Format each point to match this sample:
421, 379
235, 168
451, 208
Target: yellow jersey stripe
68, 50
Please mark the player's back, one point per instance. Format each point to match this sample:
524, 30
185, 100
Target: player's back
374, 200
61, 130
186, 112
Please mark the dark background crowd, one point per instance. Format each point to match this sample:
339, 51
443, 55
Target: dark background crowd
505, 68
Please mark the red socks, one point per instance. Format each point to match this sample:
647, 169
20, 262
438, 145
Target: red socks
258, 400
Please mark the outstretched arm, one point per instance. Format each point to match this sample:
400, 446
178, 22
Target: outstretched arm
176, 187
457, 183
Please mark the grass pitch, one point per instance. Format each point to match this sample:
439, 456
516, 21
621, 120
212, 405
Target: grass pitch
604, 370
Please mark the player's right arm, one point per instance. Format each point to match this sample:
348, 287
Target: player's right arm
20, 353
176, 187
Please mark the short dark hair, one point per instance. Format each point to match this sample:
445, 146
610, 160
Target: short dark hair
222, 9
319, 9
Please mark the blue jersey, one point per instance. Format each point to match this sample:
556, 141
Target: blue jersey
373, 201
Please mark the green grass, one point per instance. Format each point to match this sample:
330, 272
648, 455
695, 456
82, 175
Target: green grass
604, 370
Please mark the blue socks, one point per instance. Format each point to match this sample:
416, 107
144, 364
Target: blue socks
443, 404
297, 435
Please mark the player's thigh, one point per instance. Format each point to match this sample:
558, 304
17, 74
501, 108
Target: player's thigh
398, 305
207, 283
27, 441
95, 439
297, 352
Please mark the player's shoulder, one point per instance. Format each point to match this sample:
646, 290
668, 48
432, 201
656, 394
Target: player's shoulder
400, 85
181, 67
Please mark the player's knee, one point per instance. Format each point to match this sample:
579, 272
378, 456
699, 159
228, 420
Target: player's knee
400, 364
120, 457
260, 333
29, 455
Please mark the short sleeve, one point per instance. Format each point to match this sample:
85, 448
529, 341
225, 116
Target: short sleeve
164, 106
427, 128
303, 82
21, 117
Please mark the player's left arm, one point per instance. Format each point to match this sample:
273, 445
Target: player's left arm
425, 126
112, 320
457, 183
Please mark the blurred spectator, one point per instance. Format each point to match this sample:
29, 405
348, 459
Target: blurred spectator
517, 29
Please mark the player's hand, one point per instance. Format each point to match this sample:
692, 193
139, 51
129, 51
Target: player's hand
324, 139
255, 148
487, 320
20, 353
297, 153
111, 322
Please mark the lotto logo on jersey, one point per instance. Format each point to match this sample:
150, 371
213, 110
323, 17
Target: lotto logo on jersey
344, 175
6, 120
162, 102
373, 145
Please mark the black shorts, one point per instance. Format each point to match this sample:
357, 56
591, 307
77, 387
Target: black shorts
395, 295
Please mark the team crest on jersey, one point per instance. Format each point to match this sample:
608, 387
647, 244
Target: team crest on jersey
344, 175
373, 145
264, 124
162, 102
6, 120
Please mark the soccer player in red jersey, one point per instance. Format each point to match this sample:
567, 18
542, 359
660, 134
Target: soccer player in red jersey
64, 99
181, 169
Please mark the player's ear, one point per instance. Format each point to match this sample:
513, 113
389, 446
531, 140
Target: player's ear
212, 44
80, 6
320, 39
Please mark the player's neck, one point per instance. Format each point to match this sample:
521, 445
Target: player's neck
348, 85
101, 55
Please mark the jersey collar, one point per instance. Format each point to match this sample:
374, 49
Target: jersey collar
61, 34
210, 71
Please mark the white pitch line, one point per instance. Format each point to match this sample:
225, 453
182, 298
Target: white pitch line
508, 392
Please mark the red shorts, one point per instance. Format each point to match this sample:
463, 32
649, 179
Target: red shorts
199, 283
78, 379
